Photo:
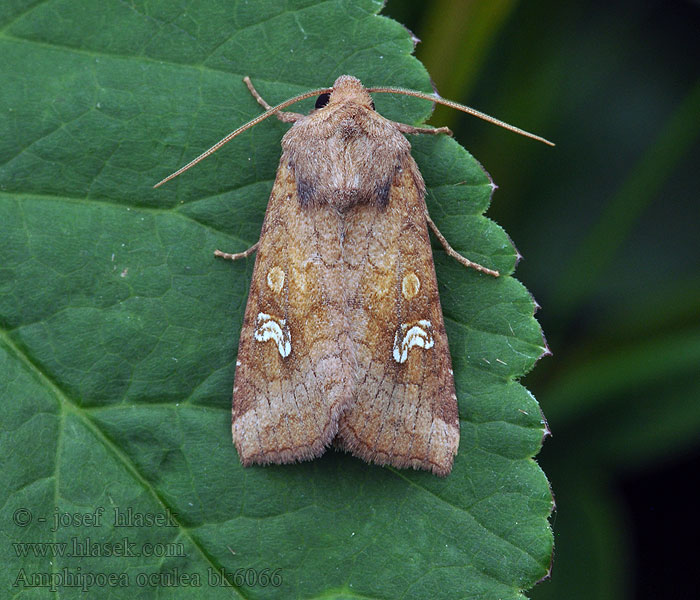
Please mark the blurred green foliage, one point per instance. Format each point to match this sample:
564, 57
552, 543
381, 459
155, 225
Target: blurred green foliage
607, 223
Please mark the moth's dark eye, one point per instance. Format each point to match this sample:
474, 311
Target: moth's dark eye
322, 100
372, 104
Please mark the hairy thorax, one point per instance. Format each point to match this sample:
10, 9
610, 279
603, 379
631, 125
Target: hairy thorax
344, 155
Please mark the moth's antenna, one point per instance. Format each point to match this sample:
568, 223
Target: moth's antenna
242, 128
462, 107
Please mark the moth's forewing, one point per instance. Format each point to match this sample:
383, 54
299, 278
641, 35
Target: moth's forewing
405, 409
292, 374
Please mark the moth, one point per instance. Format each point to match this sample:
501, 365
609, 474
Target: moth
343, 340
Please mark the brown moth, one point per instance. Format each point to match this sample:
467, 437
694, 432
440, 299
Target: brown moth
343, 339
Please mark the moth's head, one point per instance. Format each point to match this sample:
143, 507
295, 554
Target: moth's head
346, 89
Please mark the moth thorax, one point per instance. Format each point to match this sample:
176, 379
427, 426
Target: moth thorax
349, 128
342, 200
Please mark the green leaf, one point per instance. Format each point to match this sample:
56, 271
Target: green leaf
119, 327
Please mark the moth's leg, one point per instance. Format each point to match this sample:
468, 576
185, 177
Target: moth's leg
287, 117
238, 255
403, 128
456, 255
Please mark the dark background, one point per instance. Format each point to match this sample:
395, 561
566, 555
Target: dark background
607, 224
